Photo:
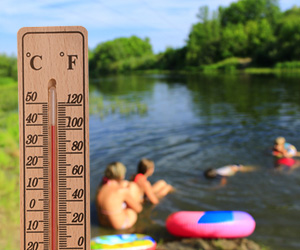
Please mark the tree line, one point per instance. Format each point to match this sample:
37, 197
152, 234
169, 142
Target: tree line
253, 29
254, 32
247, 28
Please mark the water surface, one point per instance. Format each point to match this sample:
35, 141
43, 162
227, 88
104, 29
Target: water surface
197, 122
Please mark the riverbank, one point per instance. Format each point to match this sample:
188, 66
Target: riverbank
220, 244
213, 71
231, 65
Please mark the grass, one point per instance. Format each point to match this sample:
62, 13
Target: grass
275, 70
229, 64
235, 65
288, 65
9, 165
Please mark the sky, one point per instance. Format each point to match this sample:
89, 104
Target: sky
166, 22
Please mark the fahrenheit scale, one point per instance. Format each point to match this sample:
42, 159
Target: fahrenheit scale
54, 139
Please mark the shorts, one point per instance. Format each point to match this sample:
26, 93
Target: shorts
286, 161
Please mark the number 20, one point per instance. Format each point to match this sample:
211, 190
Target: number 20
33, 245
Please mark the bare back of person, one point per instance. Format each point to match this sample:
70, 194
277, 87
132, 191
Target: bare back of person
116, 206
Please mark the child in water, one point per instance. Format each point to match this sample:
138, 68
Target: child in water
117, 200
153, 192
226, 171
282, 148
283, 153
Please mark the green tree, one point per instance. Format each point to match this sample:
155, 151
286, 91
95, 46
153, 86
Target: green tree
171, 59
234, 41
288, 34
106, 54
243, 29
203, 42
261, 42
243, 11
8, 66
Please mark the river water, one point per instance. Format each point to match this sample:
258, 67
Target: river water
194, 122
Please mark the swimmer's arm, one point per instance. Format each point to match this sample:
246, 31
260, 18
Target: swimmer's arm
222, 184
223, 181
277, 154
132, 203
283, 153
149, 193
286, 154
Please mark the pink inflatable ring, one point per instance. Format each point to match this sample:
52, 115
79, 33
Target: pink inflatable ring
212, 224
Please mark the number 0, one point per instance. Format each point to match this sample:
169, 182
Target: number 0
80, 241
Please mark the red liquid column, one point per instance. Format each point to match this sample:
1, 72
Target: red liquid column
53, 168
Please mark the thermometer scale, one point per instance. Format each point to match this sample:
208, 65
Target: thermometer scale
54, 139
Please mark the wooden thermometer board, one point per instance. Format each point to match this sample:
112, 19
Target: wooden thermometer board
54, 138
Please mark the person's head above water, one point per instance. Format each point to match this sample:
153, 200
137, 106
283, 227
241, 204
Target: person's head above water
280, 140
210, 173
279, 143
115, 171
145, 166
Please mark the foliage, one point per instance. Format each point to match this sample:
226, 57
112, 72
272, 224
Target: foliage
288, 33
255, 29
8, 96
244, 29
132, 63
288, 65
106, 54
242, 11
8, 66
204, 40
228, 65
9, 158
234, 41
171, 59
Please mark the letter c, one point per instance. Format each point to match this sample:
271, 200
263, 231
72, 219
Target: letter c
32, 62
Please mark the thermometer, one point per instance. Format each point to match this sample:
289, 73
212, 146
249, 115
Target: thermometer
54, 138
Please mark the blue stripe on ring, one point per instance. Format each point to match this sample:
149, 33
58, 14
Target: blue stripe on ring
216, 216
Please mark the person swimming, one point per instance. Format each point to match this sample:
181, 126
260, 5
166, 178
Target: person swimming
116, 200
283, 149
153, 192
284, 153
224, 172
